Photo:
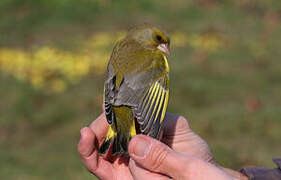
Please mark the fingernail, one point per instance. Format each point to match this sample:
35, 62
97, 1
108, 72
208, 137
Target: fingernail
142, 147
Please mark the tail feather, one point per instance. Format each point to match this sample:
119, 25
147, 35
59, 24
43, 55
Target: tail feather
118, 142
117, 139
105, 146
120, 145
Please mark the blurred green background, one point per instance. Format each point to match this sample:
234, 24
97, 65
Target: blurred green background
225, 77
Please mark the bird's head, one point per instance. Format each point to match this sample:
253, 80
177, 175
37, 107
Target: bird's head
151, 37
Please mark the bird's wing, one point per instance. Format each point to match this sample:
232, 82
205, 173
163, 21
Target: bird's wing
110, 92
152, 108
129, 92
146, 96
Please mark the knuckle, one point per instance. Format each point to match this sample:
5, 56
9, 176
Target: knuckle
80, 148
158, 156
90, 165
92, 169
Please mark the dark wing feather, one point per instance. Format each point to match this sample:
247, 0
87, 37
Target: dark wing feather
129, 92
109, 94
151, 111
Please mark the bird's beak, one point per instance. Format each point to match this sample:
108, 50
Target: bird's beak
164, 48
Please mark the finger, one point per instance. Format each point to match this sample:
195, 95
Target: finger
87, 149
100, 127
139, 173
175, 126
179, 136
174, 123
156, 156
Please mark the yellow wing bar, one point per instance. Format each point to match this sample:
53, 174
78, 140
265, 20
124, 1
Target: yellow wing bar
151, 111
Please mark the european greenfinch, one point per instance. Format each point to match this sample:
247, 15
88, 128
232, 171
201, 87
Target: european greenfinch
136, 88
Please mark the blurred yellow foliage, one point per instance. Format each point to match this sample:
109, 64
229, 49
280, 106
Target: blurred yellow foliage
52, 68
179, 39
48, 67
208, 42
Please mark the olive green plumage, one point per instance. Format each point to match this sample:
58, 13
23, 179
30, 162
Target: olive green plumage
136, 87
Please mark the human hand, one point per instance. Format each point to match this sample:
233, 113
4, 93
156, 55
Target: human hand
103, 167
178, 135
151, 159
189, 158
187, 148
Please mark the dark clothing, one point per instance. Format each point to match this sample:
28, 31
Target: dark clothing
261, 173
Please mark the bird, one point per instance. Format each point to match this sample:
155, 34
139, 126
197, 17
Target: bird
136, 88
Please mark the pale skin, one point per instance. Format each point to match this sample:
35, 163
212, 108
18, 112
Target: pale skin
181, 154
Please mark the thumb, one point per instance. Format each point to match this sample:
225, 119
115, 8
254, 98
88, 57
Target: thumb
157, 157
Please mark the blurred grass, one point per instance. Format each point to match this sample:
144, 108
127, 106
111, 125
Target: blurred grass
225, 77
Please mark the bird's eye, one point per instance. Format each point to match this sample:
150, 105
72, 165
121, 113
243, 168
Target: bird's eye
159, 38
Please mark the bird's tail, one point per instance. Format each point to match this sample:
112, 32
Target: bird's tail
116, 142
